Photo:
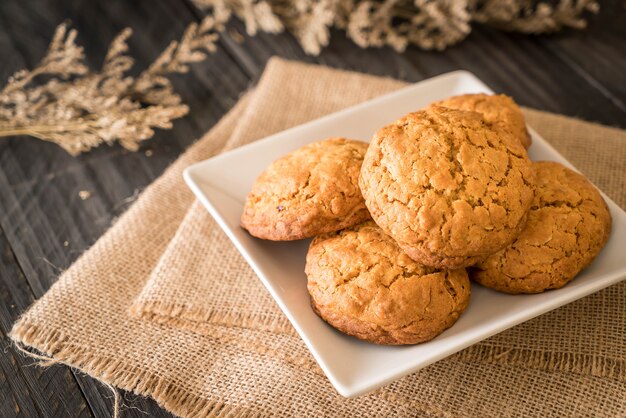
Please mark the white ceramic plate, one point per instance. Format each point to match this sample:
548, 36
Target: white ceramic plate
355, 367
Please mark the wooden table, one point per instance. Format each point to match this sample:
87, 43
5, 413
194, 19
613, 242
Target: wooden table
45, 225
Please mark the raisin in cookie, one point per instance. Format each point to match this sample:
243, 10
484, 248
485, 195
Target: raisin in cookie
499, 111
310, 191
448, 188
568, 224
364, 285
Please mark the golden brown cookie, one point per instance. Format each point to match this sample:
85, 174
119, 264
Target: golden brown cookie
364, 285
568, 224
499, 111
448, 188
310, 191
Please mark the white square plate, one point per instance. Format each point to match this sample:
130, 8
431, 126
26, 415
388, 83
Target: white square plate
355, 367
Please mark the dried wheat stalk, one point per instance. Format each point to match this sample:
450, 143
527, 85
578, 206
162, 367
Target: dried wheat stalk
428, 24
79, 109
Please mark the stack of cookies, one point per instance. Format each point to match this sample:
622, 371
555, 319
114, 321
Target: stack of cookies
440, 196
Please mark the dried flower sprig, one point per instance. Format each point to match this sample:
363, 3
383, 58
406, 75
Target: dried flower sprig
79, 109
428, 24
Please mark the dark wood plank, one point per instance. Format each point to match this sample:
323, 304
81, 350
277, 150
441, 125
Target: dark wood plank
598, 53
36, 286
25, 389
524, 68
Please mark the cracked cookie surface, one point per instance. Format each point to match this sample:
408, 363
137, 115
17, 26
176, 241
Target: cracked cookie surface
568, 224
499, 111
364, 285
310, 191
449, 189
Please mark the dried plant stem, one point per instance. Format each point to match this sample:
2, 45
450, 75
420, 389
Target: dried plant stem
79, 109
40, 131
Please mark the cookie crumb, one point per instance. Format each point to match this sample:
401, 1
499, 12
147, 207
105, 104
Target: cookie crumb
148, 153
66, 243
84, 194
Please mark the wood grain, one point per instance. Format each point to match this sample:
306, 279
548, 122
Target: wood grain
27, 390
45, 226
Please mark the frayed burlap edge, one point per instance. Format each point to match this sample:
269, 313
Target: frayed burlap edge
167, 394
181, 402
140, 382
584, 364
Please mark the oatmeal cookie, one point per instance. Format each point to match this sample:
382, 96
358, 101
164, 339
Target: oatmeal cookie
568, 224
499, 111
310, 191
448, 188
364, 285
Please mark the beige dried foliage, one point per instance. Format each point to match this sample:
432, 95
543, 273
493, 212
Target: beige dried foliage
428, 24
62, 101
308, 21
533, 17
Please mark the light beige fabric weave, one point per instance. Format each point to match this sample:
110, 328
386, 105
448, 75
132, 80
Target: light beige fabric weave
163, 305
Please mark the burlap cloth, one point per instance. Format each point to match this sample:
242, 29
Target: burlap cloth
164, 306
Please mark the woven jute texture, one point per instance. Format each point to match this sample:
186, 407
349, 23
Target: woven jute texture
164, 306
